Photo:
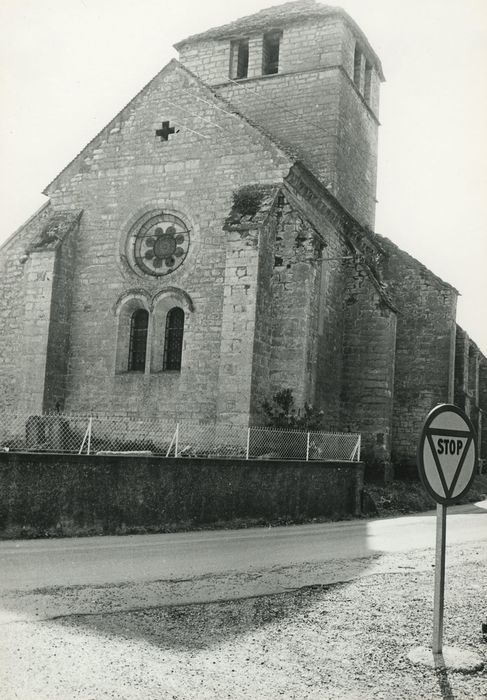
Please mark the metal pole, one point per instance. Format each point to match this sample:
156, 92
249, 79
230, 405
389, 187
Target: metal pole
439, 579
170, 445
307, 447
176, 445
83, 443
355, 452
89, 435
248, 443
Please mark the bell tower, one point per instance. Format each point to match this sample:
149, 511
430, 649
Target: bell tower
306, 74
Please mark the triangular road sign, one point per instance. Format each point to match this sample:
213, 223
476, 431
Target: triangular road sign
447, 453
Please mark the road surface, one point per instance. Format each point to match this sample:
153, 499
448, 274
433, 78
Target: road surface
33, 564
314, 611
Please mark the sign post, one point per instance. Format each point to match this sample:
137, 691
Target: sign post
439, 599
447, 457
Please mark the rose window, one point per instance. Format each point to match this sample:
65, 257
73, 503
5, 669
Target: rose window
160, 243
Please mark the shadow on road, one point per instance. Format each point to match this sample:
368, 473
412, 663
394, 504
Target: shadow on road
201, 625
350, 636
202, 611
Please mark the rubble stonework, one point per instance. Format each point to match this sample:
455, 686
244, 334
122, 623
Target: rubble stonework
471, 385
283, 283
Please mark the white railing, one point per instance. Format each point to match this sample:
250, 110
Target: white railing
101, 434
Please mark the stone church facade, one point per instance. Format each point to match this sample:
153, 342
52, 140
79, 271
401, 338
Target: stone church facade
214, 244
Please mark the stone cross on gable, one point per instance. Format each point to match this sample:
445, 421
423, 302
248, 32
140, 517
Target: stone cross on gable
165, 131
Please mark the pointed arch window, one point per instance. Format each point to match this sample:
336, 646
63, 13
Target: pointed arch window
173, 339
139, 324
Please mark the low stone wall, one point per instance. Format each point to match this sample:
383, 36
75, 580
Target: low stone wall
56, 494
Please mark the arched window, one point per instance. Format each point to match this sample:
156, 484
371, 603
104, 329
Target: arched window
139, 323
173, 339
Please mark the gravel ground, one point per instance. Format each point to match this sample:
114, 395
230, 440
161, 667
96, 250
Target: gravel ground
346, 639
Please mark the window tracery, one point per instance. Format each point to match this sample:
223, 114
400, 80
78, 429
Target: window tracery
157, 243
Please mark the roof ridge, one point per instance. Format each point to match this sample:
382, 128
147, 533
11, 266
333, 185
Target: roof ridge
122, 115
288, 10
119, 116
424, 268
283, 147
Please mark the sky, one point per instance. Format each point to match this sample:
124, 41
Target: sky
68, 66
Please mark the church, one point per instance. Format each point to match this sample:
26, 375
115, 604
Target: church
214, 244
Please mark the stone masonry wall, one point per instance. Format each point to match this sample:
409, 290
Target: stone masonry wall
327, 325
305, 46
58, 347
461, 367
369, 345
241, 286
208, 59
38, 296
356, 162
470, 393
311, 106
299, 323
125, 172
328, 359
320, 116
261, 388
13, 362
62, 495
325, 345
43, 338
277, 104
425, 347
294, 290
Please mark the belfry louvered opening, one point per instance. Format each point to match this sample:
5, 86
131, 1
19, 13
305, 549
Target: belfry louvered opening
239, 59
270, 53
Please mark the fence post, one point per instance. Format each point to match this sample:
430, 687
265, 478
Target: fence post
307, 447
176, 444
86, 436
248, 444
356, 450
89, 435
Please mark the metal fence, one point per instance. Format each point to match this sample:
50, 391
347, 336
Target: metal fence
97, 434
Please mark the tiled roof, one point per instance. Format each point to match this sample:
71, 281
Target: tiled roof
270, 17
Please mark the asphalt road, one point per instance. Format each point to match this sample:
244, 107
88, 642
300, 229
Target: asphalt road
33, 564
313, 611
